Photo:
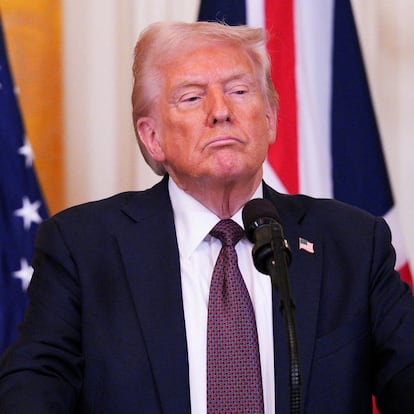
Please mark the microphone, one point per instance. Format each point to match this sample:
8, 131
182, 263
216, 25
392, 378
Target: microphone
271, 256
262, 225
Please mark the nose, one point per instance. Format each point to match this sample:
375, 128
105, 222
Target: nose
219, 108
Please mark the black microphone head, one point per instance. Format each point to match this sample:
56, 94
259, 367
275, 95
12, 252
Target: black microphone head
257, 212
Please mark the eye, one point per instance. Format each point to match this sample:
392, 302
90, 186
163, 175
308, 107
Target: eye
191, 98
239, 90
240, 85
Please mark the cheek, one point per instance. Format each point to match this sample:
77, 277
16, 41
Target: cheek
182, 130
259, 128
264, 124
176, 139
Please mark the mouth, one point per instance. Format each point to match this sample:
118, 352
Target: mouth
223, 141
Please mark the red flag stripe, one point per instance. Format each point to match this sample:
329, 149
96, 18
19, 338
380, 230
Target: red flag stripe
283, 155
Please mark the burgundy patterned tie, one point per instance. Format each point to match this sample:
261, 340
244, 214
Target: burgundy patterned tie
234, 382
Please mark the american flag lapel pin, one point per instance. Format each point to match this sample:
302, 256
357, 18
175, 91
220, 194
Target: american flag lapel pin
306, 245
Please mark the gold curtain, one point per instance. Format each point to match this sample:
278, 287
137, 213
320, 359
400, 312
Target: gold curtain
33, 36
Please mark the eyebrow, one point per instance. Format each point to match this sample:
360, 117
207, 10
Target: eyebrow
197, 82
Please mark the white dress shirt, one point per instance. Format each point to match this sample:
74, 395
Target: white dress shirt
198, 255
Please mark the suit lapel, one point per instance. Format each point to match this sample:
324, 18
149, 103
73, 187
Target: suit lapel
150, 254
305, 280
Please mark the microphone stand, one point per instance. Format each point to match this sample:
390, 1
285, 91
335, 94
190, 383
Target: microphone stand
277, 267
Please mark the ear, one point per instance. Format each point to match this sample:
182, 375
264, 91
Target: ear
147, 131
271, 116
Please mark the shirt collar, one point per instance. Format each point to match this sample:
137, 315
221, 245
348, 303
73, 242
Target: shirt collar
193, 221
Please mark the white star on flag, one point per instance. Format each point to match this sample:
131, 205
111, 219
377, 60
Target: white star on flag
306, 245
29, 212
25, 273
27, 152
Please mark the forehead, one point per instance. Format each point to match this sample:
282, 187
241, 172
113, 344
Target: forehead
212, 61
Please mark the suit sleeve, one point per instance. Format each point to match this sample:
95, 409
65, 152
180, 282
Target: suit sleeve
42, 372
392, 308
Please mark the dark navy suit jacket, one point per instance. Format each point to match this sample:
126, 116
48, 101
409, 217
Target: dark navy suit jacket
105, 331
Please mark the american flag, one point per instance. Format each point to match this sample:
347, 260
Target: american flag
21, 206
306, 245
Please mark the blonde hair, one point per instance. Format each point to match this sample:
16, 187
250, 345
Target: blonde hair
161, 42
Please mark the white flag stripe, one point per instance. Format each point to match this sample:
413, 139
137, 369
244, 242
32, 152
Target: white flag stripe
313, 40
255, 13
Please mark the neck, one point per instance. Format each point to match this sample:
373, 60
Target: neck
224, 199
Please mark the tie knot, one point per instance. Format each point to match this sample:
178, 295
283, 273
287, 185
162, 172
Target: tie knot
228, 232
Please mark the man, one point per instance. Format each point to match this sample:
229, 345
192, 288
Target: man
120, 298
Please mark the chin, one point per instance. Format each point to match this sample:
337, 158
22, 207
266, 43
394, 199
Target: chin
235, 175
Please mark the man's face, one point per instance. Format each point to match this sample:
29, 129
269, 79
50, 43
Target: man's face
210, 121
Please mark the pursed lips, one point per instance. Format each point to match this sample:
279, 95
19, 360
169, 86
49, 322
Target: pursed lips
223, 140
